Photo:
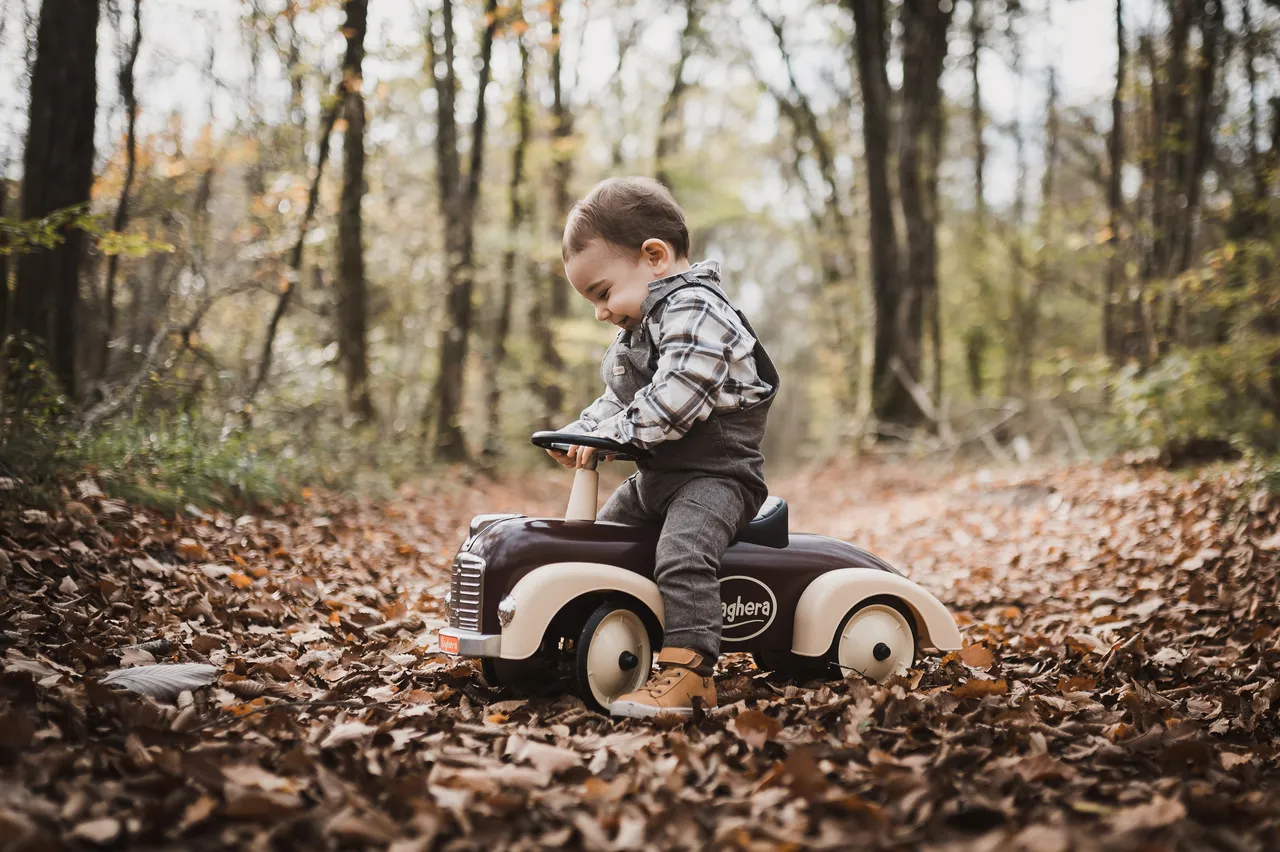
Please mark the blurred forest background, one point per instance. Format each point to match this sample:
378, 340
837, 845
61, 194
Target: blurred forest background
249, 245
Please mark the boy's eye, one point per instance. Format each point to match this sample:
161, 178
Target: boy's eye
604, 295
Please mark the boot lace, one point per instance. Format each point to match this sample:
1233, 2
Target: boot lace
665, 677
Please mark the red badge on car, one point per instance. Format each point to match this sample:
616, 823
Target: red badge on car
448, 644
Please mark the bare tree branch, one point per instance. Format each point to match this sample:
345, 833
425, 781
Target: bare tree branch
295, 259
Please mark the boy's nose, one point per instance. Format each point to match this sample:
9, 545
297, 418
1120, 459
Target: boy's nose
602, 313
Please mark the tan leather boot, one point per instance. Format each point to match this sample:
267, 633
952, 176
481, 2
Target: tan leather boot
671, 690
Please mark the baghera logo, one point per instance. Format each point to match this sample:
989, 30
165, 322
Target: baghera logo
747, 606
448, 644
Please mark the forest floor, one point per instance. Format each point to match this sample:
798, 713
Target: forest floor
1119, 690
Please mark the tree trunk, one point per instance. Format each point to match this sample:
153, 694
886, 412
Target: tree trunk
1137, 338
1194, 160
1249, 39
551, 294
562, 152
4, 265
515, 227
353, 300
58, 174
977, 338
122, 207
1168, 178
4, 213
1115, 193
891, 401
924, 47
1030, 319
670, 126
459, 206
1212, 36
294, 68
627, 40
1018, 266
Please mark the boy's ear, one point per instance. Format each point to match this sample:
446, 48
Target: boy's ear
657, 254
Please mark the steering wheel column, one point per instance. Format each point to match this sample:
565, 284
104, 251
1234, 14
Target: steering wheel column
585, 496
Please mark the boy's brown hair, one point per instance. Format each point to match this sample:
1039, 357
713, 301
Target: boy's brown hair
625, 212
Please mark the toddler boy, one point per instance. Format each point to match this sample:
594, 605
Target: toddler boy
687, 379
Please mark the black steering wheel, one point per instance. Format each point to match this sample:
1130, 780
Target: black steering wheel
561, 441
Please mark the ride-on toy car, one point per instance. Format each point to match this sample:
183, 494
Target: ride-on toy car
530, 593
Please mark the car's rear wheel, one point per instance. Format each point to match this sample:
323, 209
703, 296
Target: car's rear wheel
614, 655
877, 639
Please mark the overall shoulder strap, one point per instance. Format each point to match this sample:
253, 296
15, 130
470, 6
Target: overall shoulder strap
705, 275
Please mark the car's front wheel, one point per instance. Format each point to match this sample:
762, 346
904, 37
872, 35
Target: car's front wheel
614, 655
877, 639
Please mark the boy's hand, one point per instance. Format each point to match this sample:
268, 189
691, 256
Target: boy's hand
564, 459
578, 456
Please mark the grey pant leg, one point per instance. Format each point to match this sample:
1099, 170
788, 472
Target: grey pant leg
702, 517
624, 506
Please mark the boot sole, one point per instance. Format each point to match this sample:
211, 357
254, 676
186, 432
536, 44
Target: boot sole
636, 710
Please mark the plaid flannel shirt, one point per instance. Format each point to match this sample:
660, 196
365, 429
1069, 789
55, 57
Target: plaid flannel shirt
705, 364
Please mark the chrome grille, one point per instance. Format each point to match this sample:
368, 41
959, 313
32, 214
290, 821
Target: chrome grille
467, 592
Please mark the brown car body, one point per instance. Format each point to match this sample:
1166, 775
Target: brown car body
514, 546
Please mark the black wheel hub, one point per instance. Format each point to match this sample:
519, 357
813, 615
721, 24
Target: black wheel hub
628, 661
881, 652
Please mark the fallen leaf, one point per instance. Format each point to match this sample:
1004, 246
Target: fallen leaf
192, 550
548, 758
1157, 813
804, 776
99, 831
345, 733
1077, 684
352, 826
198, 811
977, 656
252, 775
756, 728
164, 681
136, 657
980, 688
1042, 838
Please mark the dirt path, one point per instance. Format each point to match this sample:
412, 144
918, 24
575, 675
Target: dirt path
1119, 691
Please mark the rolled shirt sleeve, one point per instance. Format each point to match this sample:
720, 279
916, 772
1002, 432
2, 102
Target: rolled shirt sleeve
698, 338
604, 408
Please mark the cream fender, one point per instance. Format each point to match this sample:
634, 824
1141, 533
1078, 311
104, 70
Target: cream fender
541, 593
827, 600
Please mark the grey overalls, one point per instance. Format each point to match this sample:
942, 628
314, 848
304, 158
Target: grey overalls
703, 488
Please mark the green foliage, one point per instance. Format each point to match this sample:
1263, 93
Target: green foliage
1266, 472
163, 459
33, 421
1225, 393
20, 236
168, 460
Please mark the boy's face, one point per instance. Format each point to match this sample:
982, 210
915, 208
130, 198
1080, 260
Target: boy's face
615, 281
